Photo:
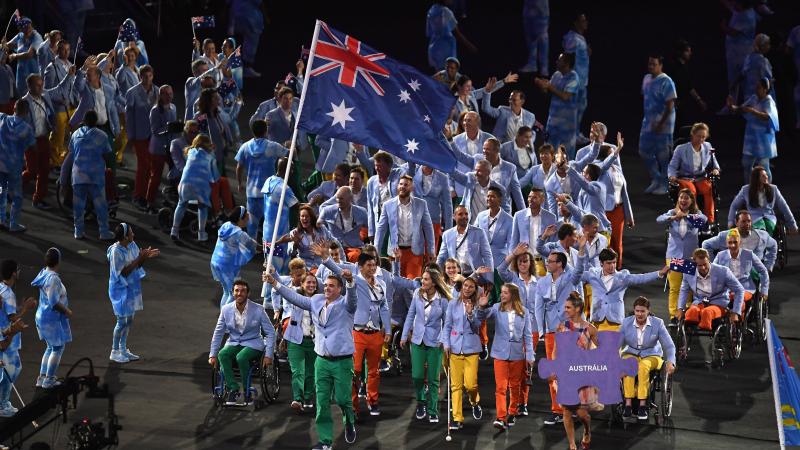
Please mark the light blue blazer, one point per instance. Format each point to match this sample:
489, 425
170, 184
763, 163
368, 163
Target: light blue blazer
502, 114
87, 102
477, 248
749, 262
610, 304
656, 340
677, 246
258, 331
504, 346
469, 181
425, 332
553, 186
267, 106
502, 233
536, 176
460, 143
440, 205
371, 307
768, 211
374, 205
526, 292
682, 163
332, 218
510, 182
50, 96
766, 249
550, 311
521, 228
334, 336
461, 334
420, 221
722, 282
592, 197
508, 152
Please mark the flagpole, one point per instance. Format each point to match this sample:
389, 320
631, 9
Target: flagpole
773, 365
193, 32
313, 50
14, 14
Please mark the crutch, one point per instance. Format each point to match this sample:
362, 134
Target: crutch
14, 388
447, 438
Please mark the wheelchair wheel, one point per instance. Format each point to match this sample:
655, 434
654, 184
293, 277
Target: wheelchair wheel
762, 313
665, 399
271, 382
719, 346
681, 342
217, 388
395, 352
782, 259
736, 336
193, 225
165, 220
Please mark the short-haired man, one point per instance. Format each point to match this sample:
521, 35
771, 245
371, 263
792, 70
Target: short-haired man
347, 222
709, 288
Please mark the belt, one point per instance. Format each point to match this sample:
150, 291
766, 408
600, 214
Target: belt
404, 247
336, 358
365, 330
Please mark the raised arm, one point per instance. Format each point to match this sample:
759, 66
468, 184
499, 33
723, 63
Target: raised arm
486, 105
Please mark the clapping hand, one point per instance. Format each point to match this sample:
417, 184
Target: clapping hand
549, 231
150, 252
482, 270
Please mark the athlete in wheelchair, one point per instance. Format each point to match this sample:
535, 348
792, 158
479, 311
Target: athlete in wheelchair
754, 278
645, 337
757, 241
768, 209
711, 312
251, 339
693, 166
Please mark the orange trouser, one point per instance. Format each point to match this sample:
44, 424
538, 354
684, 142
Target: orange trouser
221, 193
747, 297
525, 388
484, 333
157, 163
617, 218
550, 348
703, 188
37, 166
369, 344
437, 234
410, 264
352, 253
508, 376
141, 146
704, 314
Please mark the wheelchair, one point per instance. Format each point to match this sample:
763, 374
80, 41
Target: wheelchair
726, 339
659, 399
782, 259
268, 384
399, 359
755, 318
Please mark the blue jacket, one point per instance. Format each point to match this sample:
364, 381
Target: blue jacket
191, 91
7, 84
506, 347
682, 163
508, 152
766, 249
749, 263
333, 219
53, 74
478, 251
15, 137
420, 221
461, 333
550, 311
521, 227
138, 104
425, 332
159, 119
552, 186
460, 143
258, 157
88, 146
507, 179
258, 332
279, 129
334, 151
49, 97
502, 115
610, 304
267, 106
440, 205
526, 291
498, 243
545, 248
677, 246
469, 181
373, 303
615, 168
374, 204
334, 337
87, 102
592, 197
767, 211
656, 340
537, 177
127, 78
722, 282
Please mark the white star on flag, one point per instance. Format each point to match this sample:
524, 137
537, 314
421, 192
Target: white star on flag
426, 118
414, 85
411, 145
341, 114
405, 97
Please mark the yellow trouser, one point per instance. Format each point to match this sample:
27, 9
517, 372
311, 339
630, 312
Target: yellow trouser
538, 264
605, 325
463, 374
587, 300
675, 279
58, 137
606, 234
646, 364
122, 139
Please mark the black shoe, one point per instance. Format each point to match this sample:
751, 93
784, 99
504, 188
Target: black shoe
362, 390
484, 353
627, 412
554, 419
499, 424
374, 410
421, 412
43, 205
454, 425
643, 413
349, 432
673, 322
321, 446
477, 412
234, 398
522, 410
511, 420
385, 366
433, 418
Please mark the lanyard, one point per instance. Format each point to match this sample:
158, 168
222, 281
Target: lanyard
462, 240
341, 219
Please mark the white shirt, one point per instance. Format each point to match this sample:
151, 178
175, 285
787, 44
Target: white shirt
697, 159
683, 226
704, 284
288, 115
100, 105
472, 144
523, 156
478, 203
384, 191
511, 315
751, 241
308, 326
514, 124
323, 313
428, 304
618, 180
240, 318
564, 182
491, 224
608, 280
39, 116
346, 221
462, 247
535, 230
496, 175
427, 181
640, 331
736, 265
404, 227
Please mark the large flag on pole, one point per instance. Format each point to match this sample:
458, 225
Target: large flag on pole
360, 95
786, 389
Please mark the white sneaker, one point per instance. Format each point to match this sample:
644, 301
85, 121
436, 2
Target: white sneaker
651, 188
118, 357
7, 405
40, 380
6, 412
130, 356
660, 190
50, 382
202, 236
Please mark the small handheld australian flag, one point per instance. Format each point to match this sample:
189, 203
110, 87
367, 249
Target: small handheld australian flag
686, 266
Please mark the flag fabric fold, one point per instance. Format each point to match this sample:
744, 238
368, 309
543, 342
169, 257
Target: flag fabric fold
785, 387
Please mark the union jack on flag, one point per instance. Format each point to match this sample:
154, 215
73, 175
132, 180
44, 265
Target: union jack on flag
235, 60
681, 265
203, 22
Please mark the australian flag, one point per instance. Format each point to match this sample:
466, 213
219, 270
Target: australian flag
697, 221
360, 95
227, 87
787, 397
203, 22
128, 32
235, 60
686, 266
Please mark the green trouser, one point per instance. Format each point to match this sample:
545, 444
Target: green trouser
421, 354
766, 225
337, 376
301, 361
243, 355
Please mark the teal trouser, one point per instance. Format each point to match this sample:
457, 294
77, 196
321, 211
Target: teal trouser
301, 361
243, 355
337, 376
421, 354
